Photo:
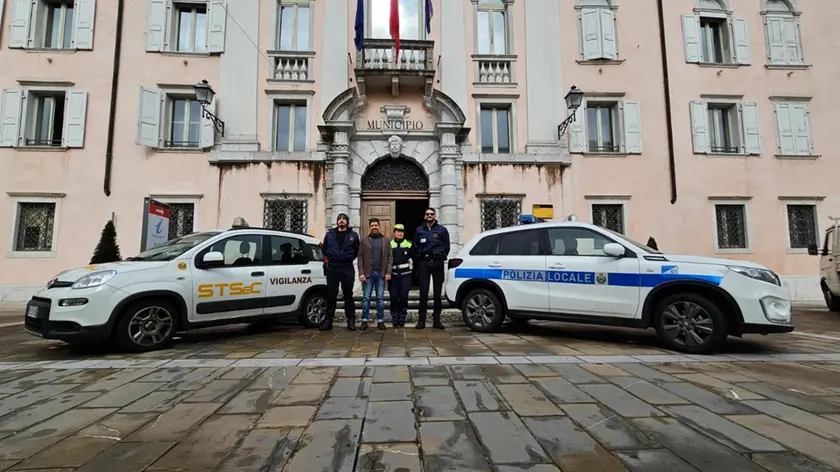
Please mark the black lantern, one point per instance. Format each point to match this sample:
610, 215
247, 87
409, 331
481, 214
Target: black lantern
204, 94
574, 98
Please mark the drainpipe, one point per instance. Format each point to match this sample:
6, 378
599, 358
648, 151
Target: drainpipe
667, 87
115, 79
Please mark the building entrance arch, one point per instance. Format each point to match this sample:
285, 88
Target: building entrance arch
394, 190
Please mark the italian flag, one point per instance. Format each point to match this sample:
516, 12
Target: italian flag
395, 27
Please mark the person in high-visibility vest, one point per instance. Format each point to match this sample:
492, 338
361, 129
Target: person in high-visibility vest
400, 283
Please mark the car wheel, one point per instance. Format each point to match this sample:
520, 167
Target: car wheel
146, 326
831, 301
482, 311
313, 310
690, 323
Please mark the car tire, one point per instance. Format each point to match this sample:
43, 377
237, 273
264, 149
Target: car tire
482, 311
679, 315
831, 301
313, 310
155, 320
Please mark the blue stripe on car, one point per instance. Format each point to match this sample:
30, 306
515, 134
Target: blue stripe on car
615, 279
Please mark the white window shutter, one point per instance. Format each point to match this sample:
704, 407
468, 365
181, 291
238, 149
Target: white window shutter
784, 129
208, 131
793, 51
19, 24
801, 129
752, 129
2, 9
700, 127
590, 33
608, 41
10, 114
156, 28
741, 35
632, 119
691, 38
84, 13
218, 21
775, 40
576, 131
75, 113
148, 119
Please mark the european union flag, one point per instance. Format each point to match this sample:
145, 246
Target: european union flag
429, 14
360, 25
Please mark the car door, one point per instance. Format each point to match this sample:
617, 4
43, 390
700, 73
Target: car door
518, 267
830, 262
582, 280
235, 287
288, 273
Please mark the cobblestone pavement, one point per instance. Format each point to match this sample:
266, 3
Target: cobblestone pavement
549, 397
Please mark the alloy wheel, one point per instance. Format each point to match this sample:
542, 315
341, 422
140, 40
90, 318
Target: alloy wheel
150, 326
687, 323
480, 310
316, 310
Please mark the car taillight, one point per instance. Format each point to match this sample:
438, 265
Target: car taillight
453, 263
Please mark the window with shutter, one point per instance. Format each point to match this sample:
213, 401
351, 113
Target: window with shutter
793, 128
781, 28
597, 30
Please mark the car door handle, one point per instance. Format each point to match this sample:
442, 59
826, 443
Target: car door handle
257, 274
556, 266
494, 264
306, 271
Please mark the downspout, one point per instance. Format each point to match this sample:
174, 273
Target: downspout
667, 87
115, 79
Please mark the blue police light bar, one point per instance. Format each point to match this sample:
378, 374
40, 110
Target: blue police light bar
529, 220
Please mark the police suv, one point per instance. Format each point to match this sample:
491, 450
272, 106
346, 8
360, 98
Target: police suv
240, 275
576, 272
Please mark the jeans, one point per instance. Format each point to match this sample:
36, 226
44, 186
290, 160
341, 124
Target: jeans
378, 279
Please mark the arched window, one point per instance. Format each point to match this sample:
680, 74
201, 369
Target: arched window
784, 43
597, 30
713, 36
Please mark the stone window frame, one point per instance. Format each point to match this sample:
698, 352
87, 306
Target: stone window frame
483, 198
623, 200
284, 196
731, 200
814, 201
612, 5
294, 96
275, 31
510, 49
497, 100
421, 18
793, 11
16, 198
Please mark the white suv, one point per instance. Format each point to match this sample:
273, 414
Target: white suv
241, 275
576, 272
829, 267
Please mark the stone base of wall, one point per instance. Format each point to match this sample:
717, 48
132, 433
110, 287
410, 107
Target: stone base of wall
802, 288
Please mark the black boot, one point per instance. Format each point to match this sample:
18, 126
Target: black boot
363, 327
436, 323
421, 322
326, 324
351, 324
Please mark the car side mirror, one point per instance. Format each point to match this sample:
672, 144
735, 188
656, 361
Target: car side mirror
212, 259
614, 250
812, 250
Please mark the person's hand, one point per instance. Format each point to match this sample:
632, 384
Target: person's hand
387, 276
362, 278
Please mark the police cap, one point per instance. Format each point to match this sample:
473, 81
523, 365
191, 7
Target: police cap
399, 227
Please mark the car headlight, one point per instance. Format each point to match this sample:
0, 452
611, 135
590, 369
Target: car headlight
763, 275
94, 279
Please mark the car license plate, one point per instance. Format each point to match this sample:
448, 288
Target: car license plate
32, 311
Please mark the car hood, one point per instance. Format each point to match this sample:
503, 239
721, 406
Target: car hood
712, 260
72, 275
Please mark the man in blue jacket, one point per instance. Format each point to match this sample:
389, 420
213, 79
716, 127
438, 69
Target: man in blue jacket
341, 247
431, 241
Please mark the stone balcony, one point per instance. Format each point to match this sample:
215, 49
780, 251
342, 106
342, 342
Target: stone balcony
494, 70
378, 66
291, 66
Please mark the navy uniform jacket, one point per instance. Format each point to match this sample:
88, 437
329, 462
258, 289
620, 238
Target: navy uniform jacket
341, 254
434, 240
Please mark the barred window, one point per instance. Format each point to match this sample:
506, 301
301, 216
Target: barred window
731, 225
181, 219
802, 225
499, 212
286, 214
610, 216
35, 223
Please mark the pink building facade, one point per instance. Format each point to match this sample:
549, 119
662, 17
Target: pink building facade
717, 147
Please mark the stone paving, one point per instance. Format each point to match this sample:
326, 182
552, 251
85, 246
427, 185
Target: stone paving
550, 397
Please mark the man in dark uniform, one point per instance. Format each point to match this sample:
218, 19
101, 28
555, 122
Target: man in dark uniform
431, 242
402, 252
341, 247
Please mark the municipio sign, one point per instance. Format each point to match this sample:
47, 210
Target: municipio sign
394, 125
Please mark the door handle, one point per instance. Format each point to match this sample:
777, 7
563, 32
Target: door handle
257, 274
556, 266
494, 264
306, 271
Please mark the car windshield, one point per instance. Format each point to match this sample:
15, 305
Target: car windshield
174, 248
637, 244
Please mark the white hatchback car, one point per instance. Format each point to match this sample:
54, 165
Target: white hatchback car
240, 275
576, 272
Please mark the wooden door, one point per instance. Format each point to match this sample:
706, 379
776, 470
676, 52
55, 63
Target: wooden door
382, 209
